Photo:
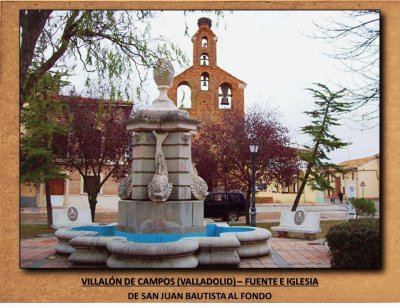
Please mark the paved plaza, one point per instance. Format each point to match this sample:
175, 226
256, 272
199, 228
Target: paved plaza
286, 253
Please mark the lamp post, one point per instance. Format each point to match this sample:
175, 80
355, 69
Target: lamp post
253, 150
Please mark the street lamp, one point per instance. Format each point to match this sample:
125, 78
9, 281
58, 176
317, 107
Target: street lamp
253, 150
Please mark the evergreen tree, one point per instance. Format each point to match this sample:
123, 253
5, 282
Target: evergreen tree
326, 115
38, 126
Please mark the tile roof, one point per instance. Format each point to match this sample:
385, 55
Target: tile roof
358, 162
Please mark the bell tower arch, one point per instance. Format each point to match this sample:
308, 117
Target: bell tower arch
204, 43
213, 91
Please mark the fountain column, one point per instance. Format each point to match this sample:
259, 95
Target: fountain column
165, 211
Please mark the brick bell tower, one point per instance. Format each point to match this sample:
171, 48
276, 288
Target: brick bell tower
204, 89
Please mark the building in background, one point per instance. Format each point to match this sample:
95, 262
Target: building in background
205, 90
71, 191
360, 179
286, 192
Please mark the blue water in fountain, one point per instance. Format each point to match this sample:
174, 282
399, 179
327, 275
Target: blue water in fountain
212, 230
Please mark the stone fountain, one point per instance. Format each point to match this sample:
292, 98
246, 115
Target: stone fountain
162, 168
161, 214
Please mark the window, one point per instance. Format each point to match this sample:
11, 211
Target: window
261, 187
59, 144
204, 59
225, 96
204, 42
92, 182
204, 81
290, 186
219, 197
56, 187
184, 96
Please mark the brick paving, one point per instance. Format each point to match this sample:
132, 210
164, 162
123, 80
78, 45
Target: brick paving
286, 253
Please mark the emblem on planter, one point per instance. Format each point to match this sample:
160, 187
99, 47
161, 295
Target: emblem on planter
72, 213
299, 217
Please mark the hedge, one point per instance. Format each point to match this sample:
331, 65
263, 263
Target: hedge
355, 245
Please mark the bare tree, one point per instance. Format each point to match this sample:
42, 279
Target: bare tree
355, 38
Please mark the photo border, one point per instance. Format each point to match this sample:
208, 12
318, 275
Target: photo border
65, 285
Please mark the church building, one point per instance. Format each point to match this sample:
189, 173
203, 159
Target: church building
205, 90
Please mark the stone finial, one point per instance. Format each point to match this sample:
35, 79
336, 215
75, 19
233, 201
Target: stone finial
163, 74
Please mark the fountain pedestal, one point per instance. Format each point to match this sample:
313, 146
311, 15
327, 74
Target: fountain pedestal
160, 224
180, 214
169, 217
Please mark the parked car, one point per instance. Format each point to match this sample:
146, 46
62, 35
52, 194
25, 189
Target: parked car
226, 205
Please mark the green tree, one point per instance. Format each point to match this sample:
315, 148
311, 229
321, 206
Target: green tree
363, 206
37, 161
324, 117
112, 44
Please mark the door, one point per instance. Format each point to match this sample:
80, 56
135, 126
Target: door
338, 185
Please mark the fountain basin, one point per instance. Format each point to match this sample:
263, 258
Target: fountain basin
91, 249
178, 254
65, 235
216, 246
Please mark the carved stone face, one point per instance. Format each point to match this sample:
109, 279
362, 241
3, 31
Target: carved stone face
159, 188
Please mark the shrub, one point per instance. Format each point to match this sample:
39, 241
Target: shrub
355, 244
363, 206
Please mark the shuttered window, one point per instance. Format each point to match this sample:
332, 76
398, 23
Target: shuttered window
56, 187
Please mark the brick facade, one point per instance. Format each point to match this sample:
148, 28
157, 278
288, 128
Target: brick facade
222, 86
110, 187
